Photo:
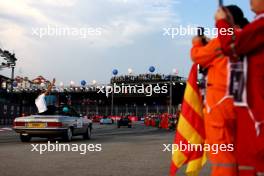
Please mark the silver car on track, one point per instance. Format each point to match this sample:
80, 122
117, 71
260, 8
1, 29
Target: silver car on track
59, 122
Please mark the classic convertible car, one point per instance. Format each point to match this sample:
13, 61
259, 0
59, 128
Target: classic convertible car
62, 122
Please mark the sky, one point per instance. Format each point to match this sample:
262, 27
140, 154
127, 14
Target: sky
122, 34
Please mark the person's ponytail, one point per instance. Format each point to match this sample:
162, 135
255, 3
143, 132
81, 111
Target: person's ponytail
244, 22
238, 15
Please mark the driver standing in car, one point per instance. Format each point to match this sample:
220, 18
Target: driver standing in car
40, 100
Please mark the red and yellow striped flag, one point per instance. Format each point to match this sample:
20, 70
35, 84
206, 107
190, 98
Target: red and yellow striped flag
190, 129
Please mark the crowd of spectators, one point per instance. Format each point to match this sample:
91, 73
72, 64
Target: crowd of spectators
144, 78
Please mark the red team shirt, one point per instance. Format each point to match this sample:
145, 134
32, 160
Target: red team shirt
250, 43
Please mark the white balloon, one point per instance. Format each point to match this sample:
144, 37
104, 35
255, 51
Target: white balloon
130, 71
94, 82
4, 85
175, 71
72, 83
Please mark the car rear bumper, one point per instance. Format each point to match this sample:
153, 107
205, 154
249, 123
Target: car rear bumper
106, 123
124, 123
41, 132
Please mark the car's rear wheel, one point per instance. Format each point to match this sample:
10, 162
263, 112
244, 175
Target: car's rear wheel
25, 138
88, 133
68, 135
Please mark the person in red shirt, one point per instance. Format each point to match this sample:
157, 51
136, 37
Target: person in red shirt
165, 121
248, 42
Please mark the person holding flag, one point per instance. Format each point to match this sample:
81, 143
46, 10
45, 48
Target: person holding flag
219, 113
248, 42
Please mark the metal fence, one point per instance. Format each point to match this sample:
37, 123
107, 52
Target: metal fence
8, 112
123, 110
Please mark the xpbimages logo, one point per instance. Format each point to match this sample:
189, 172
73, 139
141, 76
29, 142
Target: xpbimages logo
57, 147
148, 89
188, 30
213, 148
66, 31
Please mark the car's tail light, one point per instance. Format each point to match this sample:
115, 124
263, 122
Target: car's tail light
54, 124
19, 124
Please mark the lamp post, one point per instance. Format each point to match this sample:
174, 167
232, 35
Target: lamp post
12, 77
96, 107
126, 109
135, 106
114, 73
174, 72
146, 107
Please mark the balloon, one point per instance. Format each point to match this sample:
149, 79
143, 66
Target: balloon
130, 71
151, 69
115, 72
65, 109
61, 84
14, 84
94, 82
83, 82
72, 83
175, 71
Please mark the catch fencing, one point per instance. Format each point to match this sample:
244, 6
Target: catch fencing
8, 112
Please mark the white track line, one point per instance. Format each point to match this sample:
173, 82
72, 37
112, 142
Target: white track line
8, 129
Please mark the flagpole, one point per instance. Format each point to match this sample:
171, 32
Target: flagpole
221, 3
